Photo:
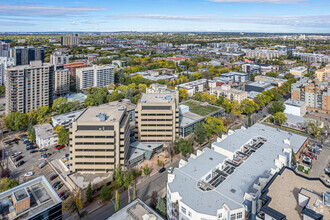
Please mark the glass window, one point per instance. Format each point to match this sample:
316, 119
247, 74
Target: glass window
233, 217
239, 215
183, 210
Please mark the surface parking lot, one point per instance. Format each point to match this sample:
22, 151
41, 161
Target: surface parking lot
32, 161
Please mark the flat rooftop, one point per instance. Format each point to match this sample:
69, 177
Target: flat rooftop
157, 98
42, 196
284, 194
94, 114
120, 103
135, 210
231, 90
293, 102
67, 116
82, 180
260, 84
200, 108
189, 118
44, 131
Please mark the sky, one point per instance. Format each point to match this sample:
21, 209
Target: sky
274, 16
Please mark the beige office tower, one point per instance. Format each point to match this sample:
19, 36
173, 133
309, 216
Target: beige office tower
99, 139
29, 86
62, 81
156, 118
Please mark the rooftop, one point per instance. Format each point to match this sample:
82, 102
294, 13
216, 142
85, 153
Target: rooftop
288, 185
260, 84
135, 210
293, 102
200, 108
101, 114
42, 196
157, 98
233, 74
44, 131
120, 103
67, 116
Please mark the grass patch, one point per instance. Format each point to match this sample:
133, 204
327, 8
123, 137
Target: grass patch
302, 169
197, 108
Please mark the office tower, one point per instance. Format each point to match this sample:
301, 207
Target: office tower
99, 139
95, 76
29, 86
70, 40
5, 62
23, 56
59, 58
61, 81
316, 94
157, 118
4, 49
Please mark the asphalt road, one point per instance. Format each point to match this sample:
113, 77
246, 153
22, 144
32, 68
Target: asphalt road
156, 182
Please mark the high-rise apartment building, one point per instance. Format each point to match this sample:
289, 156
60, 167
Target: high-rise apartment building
95, 76
157, 118
5, 62
323, 75
59, 58
316, 94
29, 86
74, 66
61, 81
4, 49
99, 139
70, 40
24, 55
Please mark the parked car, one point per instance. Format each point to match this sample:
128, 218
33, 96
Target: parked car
308, 155
61, 194
43, 164
64, 196
18, 158
162, 170
327, 171
59, 186
22, 136
59, 147
20, 163
56, 184
33, 151
31, 173
307, 160
31, 147
43, 150
170, 170
53, 177
16, 154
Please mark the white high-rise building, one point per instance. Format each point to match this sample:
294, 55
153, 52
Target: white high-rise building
95, 76
59, 58
5, 62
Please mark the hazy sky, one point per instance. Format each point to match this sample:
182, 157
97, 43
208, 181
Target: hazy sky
166, 15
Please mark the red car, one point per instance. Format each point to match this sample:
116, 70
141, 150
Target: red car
18, 158
308, 155
58, 147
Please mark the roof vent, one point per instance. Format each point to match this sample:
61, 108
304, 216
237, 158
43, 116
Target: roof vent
102, 116
121, 109
233, 190
211, 158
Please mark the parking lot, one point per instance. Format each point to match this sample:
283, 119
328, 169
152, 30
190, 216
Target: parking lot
32, 161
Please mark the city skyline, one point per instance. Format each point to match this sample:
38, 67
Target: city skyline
282, 16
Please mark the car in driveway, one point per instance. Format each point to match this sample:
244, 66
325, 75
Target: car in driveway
18, 158
20, 163
53, 177
16, 154
31, 173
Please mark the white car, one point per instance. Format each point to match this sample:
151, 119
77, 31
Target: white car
16, 154
29, 174
170, 170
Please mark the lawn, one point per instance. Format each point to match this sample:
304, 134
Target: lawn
197, 108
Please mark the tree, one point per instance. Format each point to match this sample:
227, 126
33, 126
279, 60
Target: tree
153, 199
118, 176
128, 177
105, 193
63, 136
77, 199
146, 169
248, 107
16, 121
277, 106
183, 94
117, 203
2, 90
58, 102
293, 157
89, 193
314, 127
161, 207
5, 173
200, 133
280, 117
249, 121
6, 184
272, 74
134, 191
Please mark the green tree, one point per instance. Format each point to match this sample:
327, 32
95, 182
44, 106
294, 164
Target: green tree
105, 193
6, 184
248, 107
32, 133
280, 118
58, 102
314, 127
2, 90
277, 106
146, 169
128, 178
117, 203
118, 176
200, 133
249, 121
161, 207
89, 193
293, 157
63, 136
16, 121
